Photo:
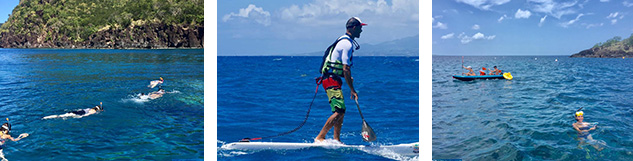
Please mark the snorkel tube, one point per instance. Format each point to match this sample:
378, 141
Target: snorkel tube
8, 126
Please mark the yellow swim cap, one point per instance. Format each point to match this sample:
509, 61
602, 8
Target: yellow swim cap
579, 113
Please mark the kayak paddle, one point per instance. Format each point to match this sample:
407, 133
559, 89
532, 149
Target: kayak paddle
367, 133
462, 63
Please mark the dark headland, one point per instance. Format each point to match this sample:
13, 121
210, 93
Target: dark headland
105, 24
612, 48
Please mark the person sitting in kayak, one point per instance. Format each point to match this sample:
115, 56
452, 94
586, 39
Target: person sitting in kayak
470, 71
482, 71
495, 71
583, 129
79, 113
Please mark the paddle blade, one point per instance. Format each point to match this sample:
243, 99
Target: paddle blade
507, 76
367, 133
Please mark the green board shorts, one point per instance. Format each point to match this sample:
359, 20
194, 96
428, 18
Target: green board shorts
335, 97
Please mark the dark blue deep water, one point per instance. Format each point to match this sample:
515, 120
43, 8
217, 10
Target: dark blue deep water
37, 83
531, 116
262, 96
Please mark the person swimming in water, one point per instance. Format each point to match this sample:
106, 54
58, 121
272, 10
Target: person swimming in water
583, 129
79, 113
157, 94
153, 83
4, 136
143, 96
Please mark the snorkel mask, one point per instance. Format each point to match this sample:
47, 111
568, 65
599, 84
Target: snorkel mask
7, 126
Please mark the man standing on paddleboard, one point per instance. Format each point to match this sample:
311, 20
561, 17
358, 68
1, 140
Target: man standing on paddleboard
336, 64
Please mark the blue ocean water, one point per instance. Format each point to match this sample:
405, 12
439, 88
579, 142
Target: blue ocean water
530, 117
37, 83
263, 96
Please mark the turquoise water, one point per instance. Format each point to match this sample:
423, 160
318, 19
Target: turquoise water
263, 96
37, 83
531, 116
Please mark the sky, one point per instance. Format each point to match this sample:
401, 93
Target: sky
6, 8
527, 27
304, 26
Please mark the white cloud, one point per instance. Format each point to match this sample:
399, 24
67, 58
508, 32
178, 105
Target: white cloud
448, 36
555, 9
251, 12
323, 11
566, 24
613, 15
484, 4
522, 14
501, 18
440, 26
627, 3
478, 36
604, 0
475, 27
542, 20
594, 25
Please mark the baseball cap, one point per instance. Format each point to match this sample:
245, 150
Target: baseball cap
354, 21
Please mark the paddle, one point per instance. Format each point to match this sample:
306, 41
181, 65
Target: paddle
462, 63
367, 133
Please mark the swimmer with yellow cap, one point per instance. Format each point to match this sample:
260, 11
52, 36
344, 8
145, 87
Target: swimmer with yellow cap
153, 83
583, 129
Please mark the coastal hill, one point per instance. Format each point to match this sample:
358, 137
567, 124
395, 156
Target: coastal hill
612, 48
111, 24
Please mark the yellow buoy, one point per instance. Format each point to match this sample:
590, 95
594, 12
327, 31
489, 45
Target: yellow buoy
507, 76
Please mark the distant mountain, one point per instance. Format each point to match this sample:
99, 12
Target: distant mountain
612, 48
408, 46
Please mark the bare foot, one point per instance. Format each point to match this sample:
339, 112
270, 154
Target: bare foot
317, 140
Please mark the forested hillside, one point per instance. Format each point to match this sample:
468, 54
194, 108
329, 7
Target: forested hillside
615, 47
104, 24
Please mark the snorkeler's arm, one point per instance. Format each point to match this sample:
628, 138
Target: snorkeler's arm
23, 135
14, 139
576, 128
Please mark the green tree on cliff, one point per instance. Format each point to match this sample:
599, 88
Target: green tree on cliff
77, 20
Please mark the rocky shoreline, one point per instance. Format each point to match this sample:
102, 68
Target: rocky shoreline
615, 47
604, 53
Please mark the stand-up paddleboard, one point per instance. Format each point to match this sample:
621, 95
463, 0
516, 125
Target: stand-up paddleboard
411, 149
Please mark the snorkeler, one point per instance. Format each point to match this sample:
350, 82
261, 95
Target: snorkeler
143, 96
583, 129
4, 136
153, 83
157, 94
78, 113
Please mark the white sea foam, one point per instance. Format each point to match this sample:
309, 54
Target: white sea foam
136, 98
